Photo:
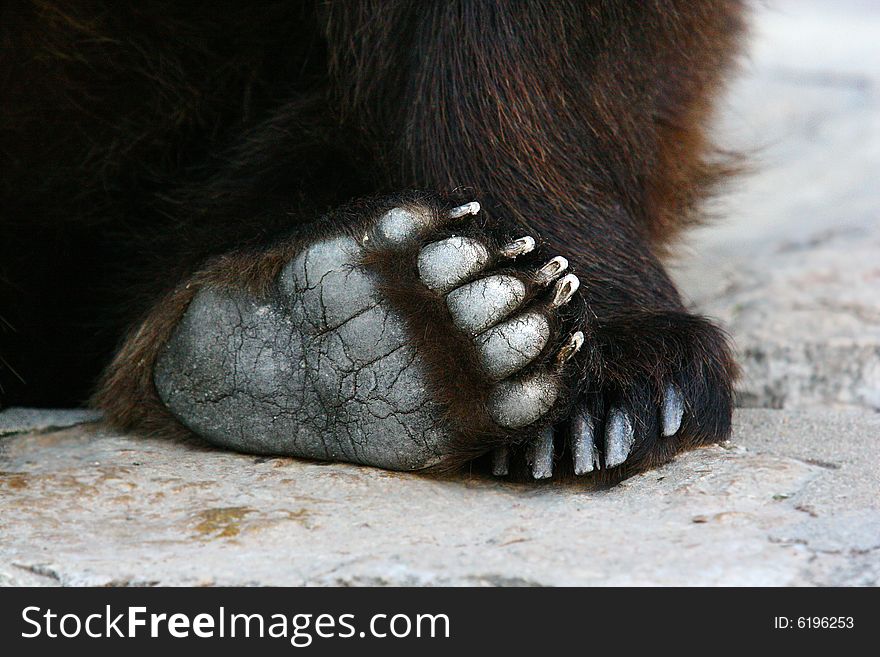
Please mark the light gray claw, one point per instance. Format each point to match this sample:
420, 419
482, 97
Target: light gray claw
501, 461
673, 411
550, 271
582, 437
564, 290
571, 347
445, 264
619, 438
463, 210
512, 344
400, 225
516, 403
478, 305
518, 247
541, 455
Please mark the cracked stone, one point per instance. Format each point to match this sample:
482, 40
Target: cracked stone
139, 510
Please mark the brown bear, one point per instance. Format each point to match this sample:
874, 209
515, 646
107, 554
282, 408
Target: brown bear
405, 234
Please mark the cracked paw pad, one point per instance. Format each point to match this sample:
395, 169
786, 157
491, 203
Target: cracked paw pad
327, 371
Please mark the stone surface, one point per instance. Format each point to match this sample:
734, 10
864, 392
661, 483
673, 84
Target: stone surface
792, 500
23, 420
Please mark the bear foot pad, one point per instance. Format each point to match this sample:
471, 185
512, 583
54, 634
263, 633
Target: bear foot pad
325, 366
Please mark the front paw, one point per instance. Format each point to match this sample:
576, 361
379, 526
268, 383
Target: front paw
654, 384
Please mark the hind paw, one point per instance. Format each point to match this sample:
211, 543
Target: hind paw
412, 338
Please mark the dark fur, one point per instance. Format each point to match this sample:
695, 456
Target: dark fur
146, 152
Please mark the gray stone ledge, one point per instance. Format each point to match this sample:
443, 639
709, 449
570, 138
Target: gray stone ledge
791, 500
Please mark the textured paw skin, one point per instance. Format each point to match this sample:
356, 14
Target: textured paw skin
417, 340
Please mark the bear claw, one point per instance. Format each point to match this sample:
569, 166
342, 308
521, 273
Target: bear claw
501, 461
564, 290
673, 411
463, 210
619, 438
518, 247
541, 455
582, 436
550, 271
